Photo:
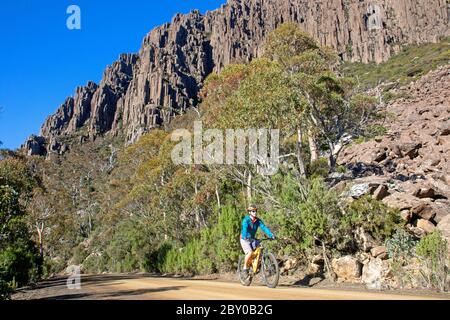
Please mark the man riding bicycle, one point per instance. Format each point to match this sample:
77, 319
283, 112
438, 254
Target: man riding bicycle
250, 226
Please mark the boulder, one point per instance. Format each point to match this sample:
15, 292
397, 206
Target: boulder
424, 211
363, 257
366, 185
374, 273
289, 264
444, 227
401, 201
426, 226
418, 232
359, 190
441, 210
364, 240
379, 252
410, 149
444, 130
381, 192
379, 155
347, 268
424, 193
340, 187
406, 215
316, 265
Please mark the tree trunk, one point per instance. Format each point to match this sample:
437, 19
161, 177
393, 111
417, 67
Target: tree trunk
331, 274
166, 237
90, 222
218, 197
332, 163
300, 156
313, 147
197, 214
249, 187
40, 230
332, 159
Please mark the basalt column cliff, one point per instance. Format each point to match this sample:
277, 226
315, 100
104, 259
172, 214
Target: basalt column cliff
144, 90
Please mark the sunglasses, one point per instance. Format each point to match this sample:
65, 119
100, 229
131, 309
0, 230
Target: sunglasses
253, 211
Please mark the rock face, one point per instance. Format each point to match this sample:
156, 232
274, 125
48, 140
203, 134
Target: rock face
35, 146
144, 90
415, 167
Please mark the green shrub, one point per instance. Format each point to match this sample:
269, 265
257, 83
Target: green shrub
80, 254
370, 133
20, 262
20, 265
216, 248
373, 217
320, 218
310, 214
401, 246
5, 290
319, 168
131, 246
225, 236
433, 251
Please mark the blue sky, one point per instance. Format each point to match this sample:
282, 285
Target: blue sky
42, 61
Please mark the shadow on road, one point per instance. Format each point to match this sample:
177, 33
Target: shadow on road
309, 281
86, 279
115, 294
57, 287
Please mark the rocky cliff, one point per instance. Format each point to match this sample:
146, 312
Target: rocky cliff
409, 167
144, 90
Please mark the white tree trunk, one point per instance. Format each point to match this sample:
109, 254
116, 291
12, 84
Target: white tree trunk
313, 147
249, 187
218, 198
300, 156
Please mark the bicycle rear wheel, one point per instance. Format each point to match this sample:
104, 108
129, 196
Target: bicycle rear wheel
247, 279
270, 270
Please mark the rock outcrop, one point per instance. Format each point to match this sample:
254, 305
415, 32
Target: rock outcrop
144, 90
413, 158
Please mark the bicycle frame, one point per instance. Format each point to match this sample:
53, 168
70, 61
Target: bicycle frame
255, 261
257, 254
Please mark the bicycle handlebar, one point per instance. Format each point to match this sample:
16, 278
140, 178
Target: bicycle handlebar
266, 239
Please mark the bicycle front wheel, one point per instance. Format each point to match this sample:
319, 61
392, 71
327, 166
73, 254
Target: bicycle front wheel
270, 270
245, 279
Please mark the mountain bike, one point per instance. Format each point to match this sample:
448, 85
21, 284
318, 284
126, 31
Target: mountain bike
261, 261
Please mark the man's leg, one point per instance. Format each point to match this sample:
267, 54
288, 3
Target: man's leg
246, 246
248, 256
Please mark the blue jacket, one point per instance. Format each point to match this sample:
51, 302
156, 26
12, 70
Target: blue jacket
249, 228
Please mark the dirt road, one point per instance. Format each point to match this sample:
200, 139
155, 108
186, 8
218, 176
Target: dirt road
138, 287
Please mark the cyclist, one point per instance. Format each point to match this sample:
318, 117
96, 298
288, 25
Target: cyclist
250, 226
